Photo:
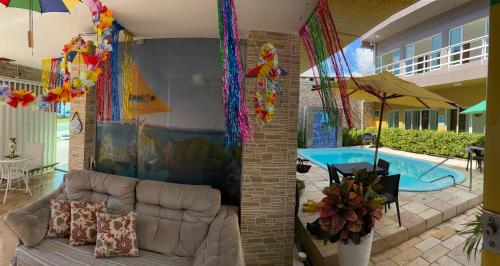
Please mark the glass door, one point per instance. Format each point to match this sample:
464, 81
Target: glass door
410, 53
436, 45
456, 38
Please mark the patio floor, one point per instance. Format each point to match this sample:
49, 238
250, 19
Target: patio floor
420, 211
440, 245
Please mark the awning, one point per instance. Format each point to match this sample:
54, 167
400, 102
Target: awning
476, 109
396, 91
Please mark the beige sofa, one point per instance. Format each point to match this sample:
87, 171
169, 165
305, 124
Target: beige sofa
176, 224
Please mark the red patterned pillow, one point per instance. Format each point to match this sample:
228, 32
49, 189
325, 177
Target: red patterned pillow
84, 222
116, 235
60, 218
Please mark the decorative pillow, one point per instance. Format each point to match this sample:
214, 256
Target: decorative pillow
116, 235
60, 218
83, 222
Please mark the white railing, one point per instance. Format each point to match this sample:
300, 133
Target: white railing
21, 84
446, 57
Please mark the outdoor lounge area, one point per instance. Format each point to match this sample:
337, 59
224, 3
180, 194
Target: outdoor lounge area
235, 132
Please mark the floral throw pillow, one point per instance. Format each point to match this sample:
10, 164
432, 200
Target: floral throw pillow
60, 218
116, 235
84, 222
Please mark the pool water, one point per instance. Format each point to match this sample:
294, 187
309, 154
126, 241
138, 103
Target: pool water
409, 168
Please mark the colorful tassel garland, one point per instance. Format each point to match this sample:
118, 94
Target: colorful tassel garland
127, 74
115, 90
321, 42
238, 128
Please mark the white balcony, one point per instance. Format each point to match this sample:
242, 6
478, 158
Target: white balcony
462, 61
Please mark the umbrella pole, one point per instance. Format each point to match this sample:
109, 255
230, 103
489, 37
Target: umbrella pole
377, 141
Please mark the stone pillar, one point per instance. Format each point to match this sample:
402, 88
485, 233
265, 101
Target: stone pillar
82, 145
269, 161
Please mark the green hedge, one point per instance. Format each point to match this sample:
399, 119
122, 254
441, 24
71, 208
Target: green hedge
441, 143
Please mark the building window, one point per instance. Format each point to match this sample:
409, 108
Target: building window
396, 65
421, 119
410, 52
456, 36
393, 119
412, 120
378, 65
456, 121
436, 45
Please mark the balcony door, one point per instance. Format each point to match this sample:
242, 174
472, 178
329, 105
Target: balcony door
456, 38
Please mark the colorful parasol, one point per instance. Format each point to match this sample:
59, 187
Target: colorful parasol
42, 6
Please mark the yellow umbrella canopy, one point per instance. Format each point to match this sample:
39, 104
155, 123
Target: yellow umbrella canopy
386, 86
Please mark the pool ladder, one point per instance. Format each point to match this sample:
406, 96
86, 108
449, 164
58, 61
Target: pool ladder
446, 176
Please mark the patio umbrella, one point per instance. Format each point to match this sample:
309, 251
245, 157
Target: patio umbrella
391, 90
40, 6
476, 109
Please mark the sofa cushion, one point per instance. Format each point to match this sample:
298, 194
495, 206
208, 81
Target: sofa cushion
56, 251
94, 187
84, 222
174, 218
60, 218
116, 235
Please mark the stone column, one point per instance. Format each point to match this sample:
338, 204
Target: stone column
269, 161
82, 145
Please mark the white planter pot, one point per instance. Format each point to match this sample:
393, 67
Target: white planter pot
351, 254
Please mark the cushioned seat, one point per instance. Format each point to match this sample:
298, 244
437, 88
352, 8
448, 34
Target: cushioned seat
58, 252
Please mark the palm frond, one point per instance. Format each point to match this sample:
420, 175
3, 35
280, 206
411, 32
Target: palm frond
473, 231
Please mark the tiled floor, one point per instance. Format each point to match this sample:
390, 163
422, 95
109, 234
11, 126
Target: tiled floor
438, 246
420, 211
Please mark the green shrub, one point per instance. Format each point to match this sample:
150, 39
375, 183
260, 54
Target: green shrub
441, 143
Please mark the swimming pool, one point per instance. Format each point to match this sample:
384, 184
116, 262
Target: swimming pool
409, 168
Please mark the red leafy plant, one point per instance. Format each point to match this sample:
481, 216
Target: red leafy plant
350, 209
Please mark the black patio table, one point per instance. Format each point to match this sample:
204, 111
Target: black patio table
346, 169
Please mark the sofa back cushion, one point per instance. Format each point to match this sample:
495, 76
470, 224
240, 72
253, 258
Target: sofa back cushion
95, 187
174, 218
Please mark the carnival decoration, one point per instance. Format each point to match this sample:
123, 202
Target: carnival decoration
322, 44
267, 73
127, 74
16, 97
40, 6
238, 128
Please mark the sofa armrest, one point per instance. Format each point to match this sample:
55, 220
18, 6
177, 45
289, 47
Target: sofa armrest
222, 245
30, 223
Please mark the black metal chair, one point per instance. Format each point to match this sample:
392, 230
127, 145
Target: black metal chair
389, 189
384, 165
334, 175
368, 138
479, 159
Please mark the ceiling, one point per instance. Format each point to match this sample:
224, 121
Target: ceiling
146, 19
186, 18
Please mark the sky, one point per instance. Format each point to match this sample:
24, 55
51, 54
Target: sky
360, 59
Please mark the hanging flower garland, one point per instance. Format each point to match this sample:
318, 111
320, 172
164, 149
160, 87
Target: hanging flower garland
238, 128
92, 55
267, 73
15, 97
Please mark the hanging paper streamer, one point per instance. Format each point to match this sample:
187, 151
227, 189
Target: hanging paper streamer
320, 39
127, 74
115, 90
311, 36
238, 128
267, 73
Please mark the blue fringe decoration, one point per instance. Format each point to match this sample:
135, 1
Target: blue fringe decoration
115, 90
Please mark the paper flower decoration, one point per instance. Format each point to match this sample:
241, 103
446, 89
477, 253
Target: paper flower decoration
267, 73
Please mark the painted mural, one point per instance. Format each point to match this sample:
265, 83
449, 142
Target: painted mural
177, 130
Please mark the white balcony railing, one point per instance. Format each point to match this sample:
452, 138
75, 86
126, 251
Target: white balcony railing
447, 57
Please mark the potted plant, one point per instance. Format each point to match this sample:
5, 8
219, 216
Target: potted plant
348, 214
